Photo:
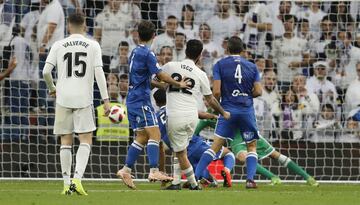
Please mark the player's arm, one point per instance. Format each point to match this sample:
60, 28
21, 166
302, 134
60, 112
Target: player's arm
168, 79
50, 64
206, 115
11, 67
211, 100
100, 78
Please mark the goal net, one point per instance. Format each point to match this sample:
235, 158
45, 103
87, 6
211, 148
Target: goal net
307, 54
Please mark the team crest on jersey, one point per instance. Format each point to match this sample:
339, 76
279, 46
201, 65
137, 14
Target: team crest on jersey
248, 136
138, 119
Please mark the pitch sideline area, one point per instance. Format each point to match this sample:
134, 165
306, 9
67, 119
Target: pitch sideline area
108, 193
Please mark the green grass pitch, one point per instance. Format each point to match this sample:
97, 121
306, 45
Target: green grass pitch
108, 193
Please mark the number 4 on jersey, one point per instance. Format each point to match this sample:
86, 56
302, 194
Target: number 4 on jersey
238, 73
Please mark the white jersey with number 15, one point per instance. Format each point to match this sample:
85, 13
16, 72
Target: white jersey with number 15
75, 58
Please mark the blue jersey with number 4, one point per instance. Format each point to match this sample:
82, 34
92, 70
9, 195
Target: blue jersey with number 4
143, 65
237, 76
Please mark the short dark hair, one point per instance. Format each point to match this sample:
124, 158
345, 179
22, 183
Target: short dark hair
160, 97
124, 43
76, 19
171, 17
124, 76
194, 48
146, 30
235, 45
166, 47
287, 17
327, 18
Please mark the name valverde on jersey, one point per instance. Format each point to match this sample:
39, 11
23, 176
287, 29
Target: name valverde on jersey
76, 58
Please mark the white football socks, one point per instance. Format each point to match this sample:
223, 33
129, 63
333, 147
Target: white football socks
177, 172
82, 157
66, 161
190, 176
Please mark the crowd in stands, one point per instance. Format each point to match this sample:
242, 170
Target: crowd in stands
308, 54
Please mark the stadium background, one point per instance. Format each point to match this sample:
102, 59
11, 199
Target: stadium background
328, 152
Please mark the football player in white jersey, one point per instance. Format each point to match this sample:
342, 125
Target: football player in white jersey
77, 60
181, 107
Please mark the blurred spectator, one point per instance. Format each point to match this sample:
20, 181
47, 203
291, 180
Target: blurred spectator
123, 88
28, 23
133, 38
179, 50
204, 10
318, 84
290, 116
7, 18
326, 126
224, 48
351, 134
240, 8
308, 101
325, 41
110, 29
131, 9
72, 6
257, 25
166, 55
186, 25
112, 79
314, 15
277, 10
339, 13
272, 98
352, 97
304, 30
50, 28
349, 57
260, 64
289, 53
223, 23
168, 8
119, 64
357, 40
211, 49
168, 37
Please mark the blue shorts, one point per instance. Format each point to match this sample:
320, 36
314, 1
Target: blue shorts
244, 122
194, 158
141, 117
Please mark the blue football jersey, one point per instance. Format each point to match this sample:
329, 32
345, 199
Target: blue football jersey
237, 76
161, 117
143, 65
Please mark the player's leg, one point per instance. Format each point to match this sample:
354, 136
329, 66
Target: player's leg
84, 124
66, 161
224, 129
291, 165
175, 184
229, 162
64, 127
187, 169
135, 149
82, 158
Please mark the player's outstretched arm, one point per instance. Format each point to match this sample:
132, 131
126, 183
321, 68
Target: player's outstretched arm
257, 90
216, 106
168, 79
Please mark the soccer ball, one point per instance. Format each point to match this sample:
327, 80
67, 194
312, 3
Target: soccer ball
117, 114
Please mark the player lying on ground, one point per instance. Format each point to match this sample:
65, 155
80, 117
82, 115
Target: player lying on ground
197, 146
263, 149
77, 60
236, 82
143, 65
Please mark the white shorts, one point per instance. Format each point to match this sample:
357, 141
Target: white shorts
74, 120
180, 131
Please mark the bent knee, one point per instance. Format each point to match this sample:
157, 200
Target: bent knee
241, 156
